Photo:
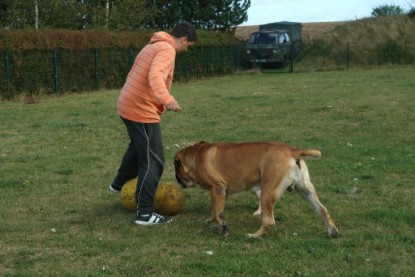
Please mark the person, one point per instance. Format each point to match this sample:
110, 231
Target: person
143, 98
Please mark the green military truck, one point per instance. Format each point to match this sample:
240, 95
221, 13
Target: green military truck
274, 43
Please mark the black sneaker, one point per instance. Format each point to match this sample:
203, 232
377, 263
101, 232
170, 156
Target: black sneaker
152, 219
113, 189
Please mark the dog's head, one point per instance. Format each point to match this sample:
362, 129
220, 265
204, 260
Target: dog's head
185, 164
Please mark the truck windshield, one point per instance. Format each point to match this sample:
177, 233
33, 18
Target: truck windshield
263, 38
268, 38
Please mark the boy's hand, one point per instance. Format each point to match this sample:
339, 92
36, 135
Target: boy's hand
173, 106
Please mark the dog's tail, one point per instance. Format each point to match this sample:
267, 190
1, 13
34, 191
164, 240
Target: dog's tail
303, 153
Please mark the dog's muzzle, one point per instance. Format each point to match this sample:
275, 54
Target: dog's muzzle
180, 181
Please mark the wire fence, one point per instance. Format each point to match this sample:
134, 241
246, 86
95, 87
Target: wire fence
48, 72
56, 71
323, 55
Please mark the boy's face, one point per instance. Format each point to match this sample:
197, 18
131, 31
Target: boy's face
183, 44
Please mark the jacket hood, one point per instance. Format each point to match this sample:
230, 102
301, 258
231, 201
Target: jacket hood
162, 36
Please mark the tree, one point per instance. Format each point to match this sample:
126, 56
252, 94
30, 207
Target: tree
40, 14
233, 13
384, 10
129, 14
411, 12
36, 15
17, 14
116, 14
122, 14
204, 14
68, 14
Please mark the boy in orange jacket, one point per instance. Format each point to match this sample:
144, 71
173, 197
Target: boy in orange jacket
143, 98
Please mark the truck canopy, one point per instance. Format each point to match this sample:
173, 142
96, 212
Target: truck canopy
293, 28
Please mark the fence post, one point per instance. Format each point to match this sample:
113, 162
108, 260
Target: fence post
130, 58
96, 69
347, 55
236, 59
232, 57
7, 68
206, 51
221, 58
405, 53
55, 71
260, 58
292, 58
186, 65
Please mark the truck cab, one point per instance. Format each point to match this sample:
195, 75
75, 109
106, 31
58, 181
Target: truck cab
274, 43
270, 47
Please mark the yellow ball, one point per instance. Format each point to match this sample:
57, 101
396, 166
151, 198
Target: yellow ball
128, 194
169, 199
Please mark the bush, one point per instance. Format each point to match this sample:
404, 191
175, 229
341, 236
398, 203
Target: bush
60, 70
385, 10
390, 52
30, 39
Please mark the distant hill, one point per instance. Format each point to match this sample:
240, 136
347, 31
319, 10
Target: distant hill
367, 29
310, 30
369, 41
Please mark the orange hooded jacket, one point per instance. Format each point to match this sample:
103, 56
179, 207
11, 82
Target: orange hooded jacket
147, 89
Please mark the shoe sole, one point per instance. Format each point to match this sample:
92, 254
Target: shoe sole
146, 223
111, 189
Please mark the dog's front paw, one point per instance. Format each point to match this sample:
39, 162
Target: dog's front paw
333, 233
224, 231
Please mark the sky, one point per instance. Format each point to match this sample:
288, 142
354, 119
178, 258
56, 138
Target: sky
267, 11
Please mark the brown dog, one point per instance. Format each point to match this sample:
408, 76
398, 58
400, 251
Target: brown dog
224, 168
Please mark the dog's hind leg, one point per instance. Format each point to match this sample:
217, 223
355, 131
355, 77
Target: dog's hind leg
306, 189
267, 206
271, 191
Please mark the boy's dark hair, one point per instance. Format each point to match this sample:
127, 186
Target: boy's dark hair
185, 29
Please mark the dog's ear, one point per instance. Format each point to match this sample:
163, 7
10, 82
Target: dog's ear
177, 163
200, 142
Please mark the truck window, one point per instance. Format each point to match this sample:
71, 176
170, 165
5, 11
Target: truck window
267, 38
252, 38
283, 38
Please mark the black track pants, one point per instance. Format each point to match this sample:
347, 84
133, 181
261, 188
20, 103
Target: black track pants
144, 158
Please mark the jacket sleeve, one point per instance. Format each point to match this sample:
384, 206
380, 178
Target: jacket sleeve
161, 67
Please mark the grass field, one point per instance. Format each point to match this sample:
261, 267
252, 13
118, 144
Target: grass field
58, 156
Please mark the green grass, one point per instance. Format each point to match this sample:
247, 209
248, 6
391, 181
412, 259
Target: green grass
58, 156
